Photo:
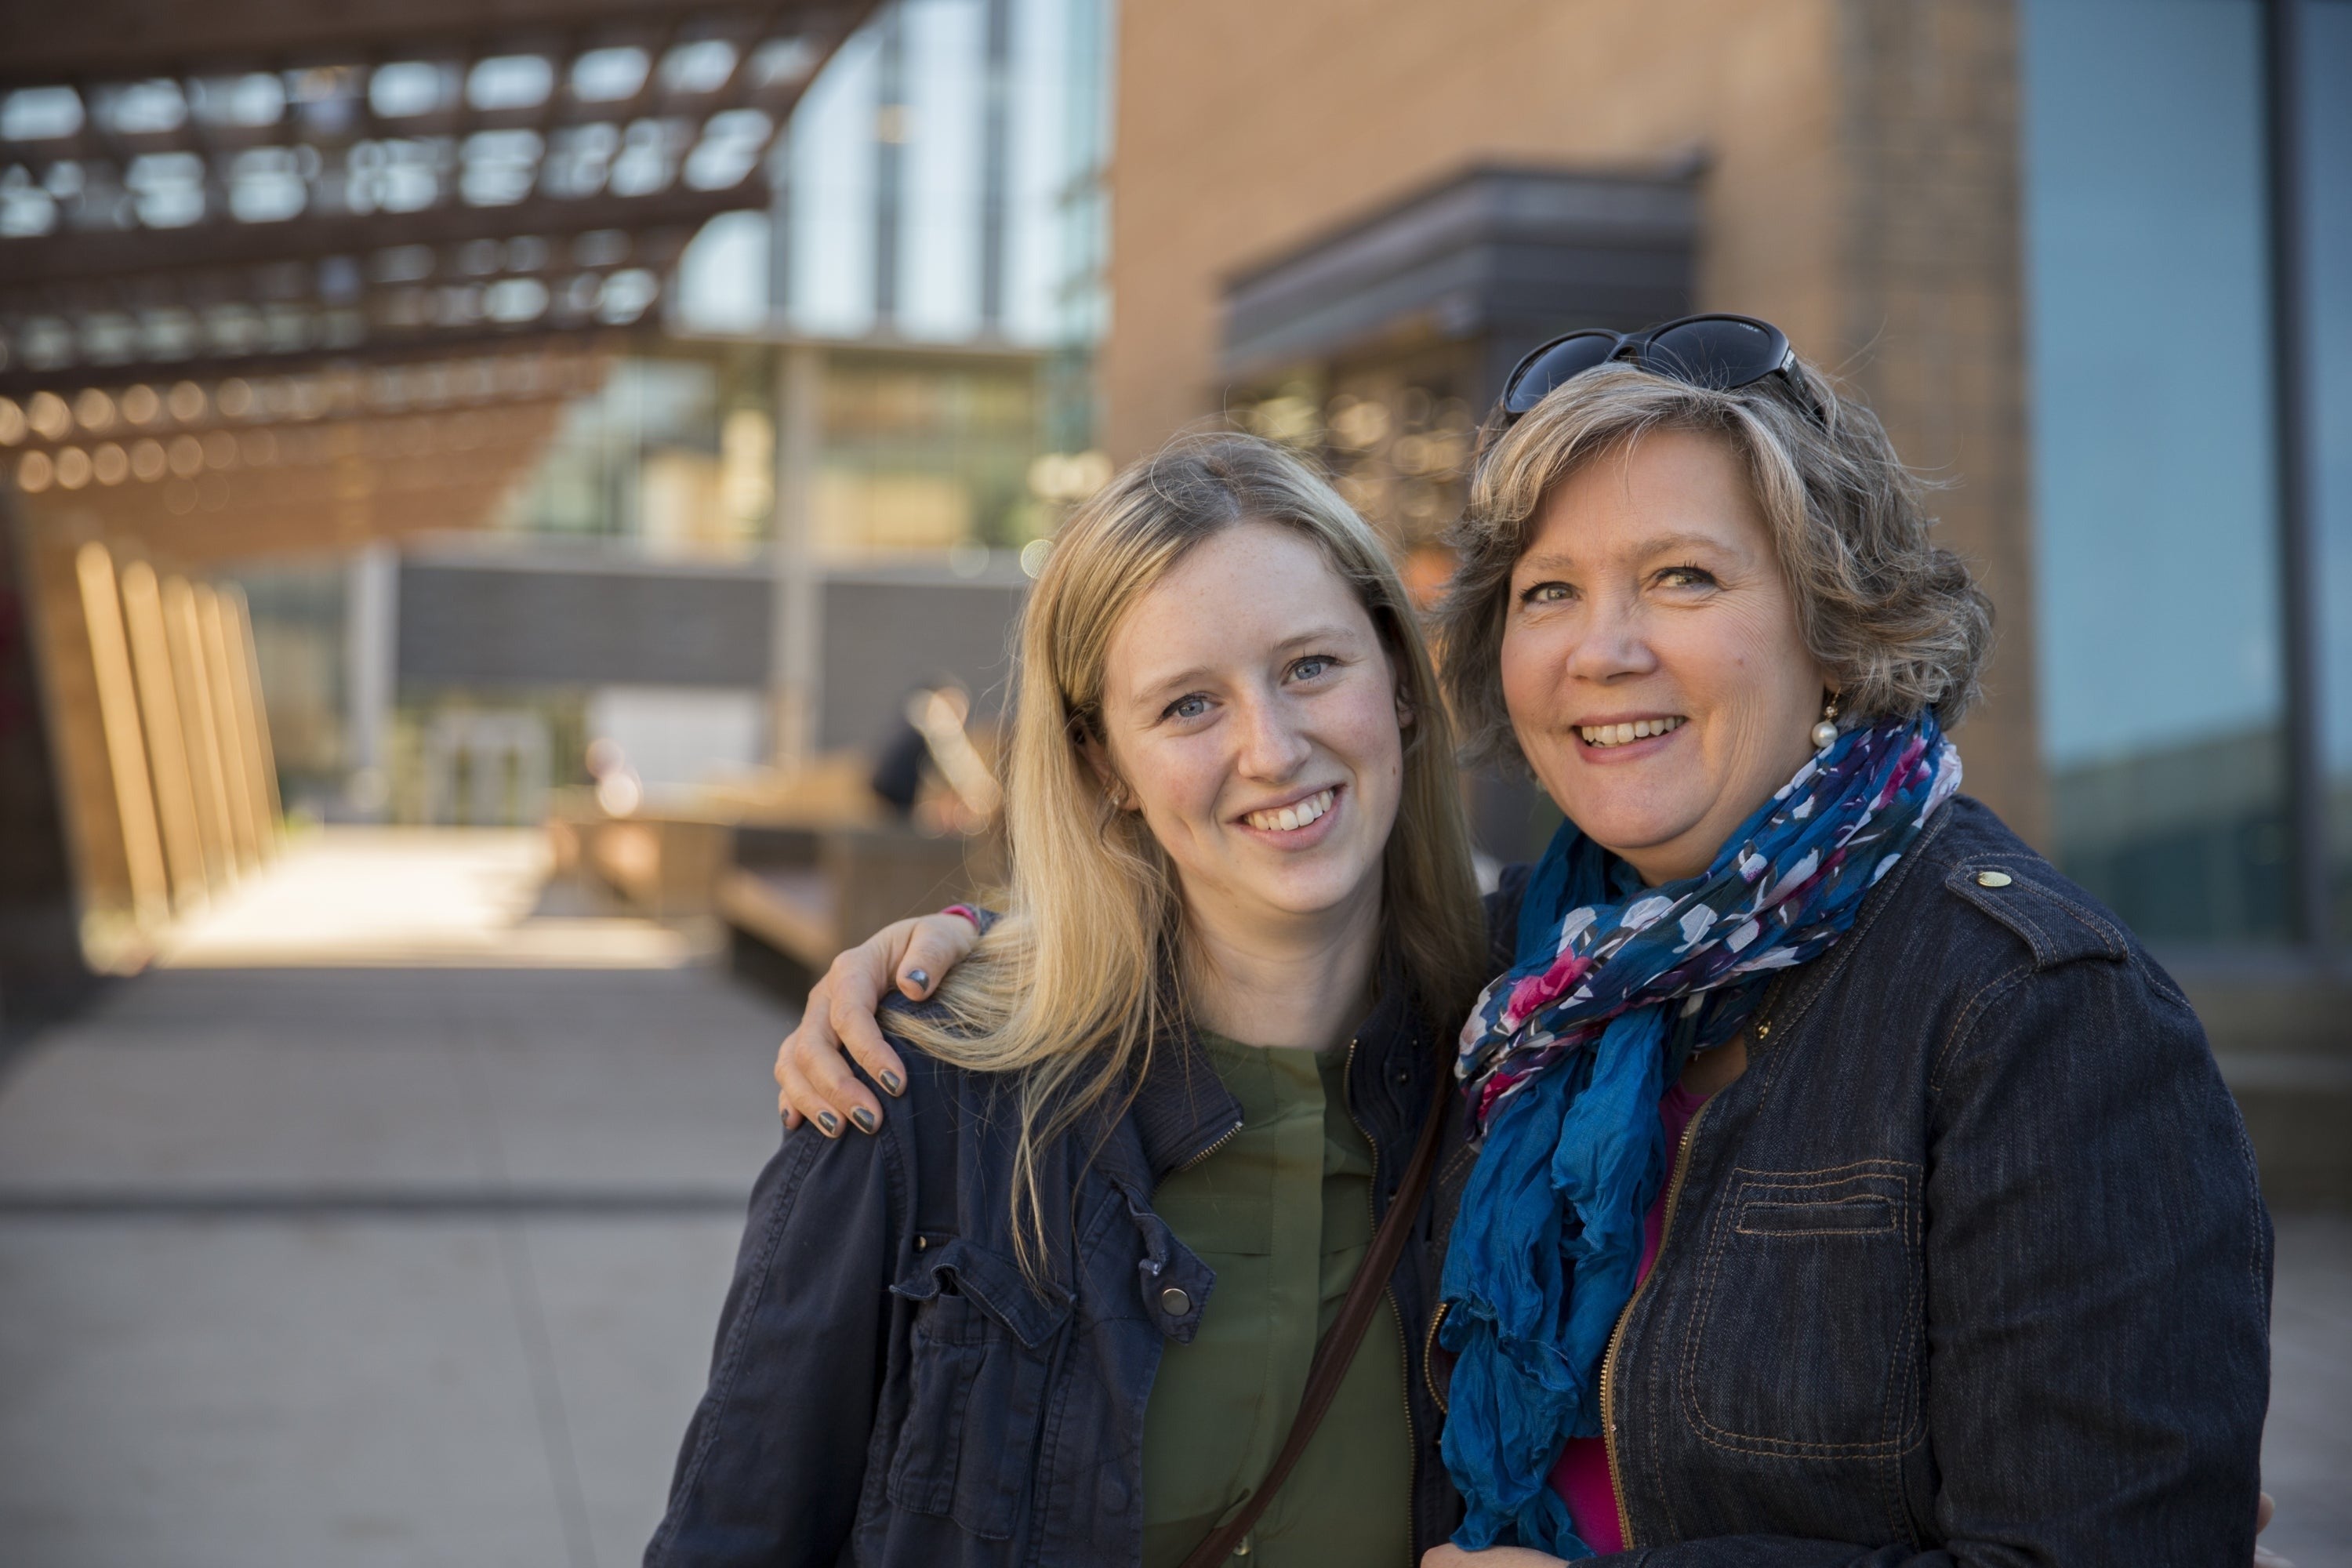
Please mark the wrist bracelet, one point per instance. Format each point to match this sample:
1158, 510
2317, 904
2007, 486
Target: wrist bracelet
967, 911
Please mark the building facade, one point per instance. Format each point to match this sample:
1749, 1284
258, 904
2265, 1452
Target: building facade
2091, 261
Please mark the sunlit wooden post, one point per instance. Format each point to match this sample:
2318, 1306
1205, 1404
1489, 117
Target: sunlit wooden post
126, 748
229, 723
188, 678
262, 760
167, 746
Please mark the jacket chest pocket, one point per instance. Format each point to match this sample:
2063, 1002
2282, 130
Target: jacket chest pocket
979, 1362
1805, 1337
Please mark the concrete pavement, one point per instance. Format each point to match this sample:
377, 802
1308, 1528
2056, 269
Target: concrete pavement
360, 1267
309, 1265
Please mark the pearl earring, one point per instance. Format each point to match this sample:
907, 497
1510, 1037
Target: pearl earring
1825, 733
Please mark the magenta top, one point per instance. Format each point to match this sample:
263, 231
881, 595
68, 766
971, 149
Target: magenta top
1580, 1475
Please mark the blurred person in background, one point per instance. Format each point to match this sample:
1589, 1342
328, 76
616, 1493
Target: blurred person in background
1198, 1054
1834, 1182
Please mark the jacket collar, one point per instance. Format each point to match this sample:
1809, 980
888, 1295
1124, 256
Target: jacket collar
1183, 1110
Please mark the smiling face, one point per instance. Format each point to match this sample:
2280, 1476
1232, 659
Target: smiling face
1652, 661
1251, 713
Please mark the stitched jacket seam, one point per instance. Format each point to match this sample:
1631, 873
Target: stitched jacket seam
1971, 1013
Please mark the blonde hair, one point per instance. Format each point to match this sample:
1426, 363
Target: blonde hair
1073, 987
1896, 618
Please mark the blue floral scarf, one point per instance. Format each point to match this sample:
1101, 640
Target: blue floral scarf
1564, 1061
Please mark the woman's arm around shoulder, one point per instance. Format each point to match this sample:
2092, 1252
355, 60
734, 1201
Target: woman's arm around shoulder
774, 1459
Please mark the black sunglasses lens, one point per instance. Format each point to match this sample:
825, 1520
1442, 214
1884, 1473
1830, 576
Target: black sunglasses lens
1547, 368
1718, 353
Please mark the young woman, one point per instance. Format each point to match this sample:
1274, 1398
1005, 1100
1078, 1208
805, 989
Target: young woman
1849, 1187
1062, 1309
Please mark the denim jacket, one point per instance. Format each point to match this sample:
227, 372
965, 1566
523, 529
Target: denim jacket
1968, 1266
887, 1388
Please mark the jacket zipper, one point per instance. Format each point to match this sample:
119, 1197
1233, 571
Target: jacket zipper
1764, 1016
1429, 1356
1227, 1136
1396, 1314
1617, 1334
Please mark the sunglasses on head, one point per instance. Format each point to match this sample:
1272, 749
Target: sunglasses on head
1721, 352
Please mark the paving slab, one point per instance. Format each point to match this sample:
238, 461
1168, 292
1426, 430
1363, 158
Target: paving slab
631, 1308
236, 1396
2307, 1441
402, 1082
374, 1266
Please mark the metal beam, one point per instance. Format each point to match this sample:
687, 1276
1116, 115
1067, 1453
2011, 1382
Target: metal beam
81, 257
131, 40
406, 348
2299, 551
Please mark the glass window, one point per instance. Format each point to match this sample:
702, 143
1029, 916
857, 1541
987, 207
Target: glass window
2326, 84
2155, 498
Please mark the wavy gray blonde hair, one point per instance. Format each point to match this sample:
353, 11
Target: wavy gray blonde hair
1896, 618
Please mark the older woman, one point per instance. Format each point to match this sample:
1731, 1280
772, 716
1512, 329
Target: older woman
1838, 1182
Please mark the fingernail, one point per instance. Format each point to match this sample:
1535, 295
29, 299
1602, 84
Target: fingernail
922, 980
865, 1119
830, 1123
890, 1082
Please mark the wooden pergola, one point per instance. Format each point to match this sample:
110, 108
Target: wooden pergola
189, 190
285, 276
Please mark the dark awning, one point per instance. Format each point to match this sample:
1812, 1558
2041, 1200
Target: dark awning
1507, 254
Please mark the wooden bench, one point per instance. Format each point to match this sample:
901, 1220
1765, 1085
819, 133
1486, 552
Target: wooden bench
837, 886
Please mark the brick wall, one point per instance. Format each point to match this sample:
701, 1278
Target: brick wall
1860, 190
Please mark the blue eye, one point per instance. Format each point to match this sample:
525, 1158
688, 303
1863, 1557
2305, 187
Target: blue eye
1191, 707
1308, 668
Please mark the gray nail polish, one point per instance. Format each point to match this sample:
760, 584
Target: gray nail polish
890, 1082
830, 1123
866, 1120
921, 978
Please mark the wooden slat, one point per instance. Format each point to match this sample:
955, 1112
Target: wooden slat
132, 800
97, 254
202, 737
130, 40
95, 843
397, 349
167, 741
228, 725
256, 719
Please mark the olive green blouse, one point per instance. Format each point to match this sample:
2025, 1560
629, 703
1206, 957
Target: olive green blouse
1283, 1213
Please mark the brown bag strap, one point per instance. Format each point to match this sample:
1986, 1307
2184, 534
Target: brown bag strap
1339, 1347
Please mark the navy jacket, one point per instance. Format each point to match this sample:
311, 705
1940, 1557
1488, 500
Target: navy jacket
1968, 1266
888, 1389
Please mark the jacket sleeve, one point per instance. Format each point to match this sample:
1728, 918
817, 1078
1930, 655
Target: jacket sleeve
774, 1459
2098, 1279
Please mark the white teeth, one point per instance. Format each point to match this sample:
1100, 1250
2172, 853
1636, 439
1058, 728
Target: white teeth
1618, 735
1290, 818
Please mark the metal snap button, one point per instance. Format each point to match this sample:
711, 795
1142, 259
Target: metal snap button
1994, 878
1174, 1301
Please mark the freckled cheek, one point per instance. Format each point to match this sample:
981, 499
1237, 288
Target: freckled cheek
1178, 792
1530, 673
